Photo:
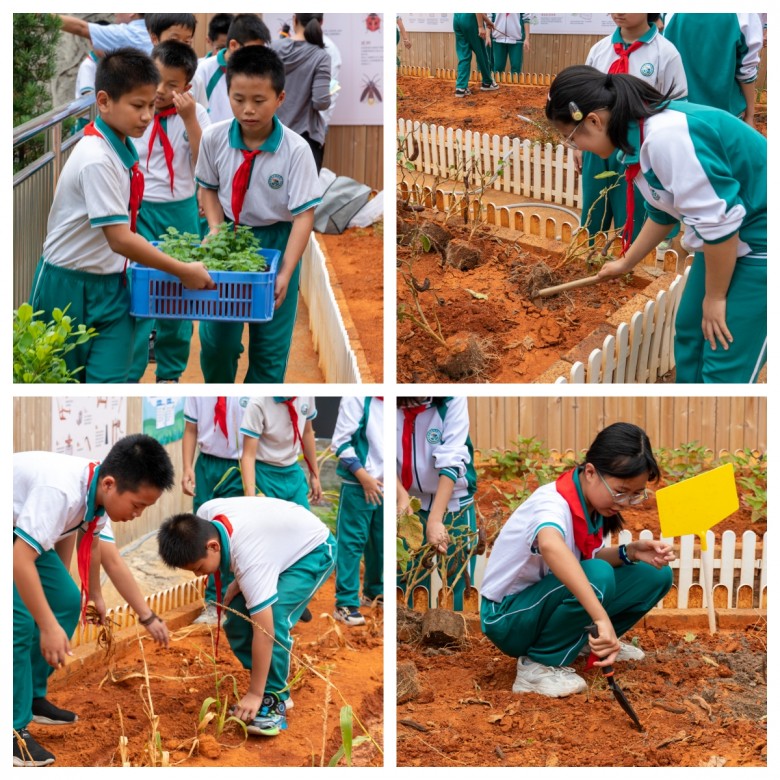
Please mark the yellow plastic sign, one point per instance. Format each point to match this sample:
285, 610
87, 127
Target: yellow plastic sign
696, 504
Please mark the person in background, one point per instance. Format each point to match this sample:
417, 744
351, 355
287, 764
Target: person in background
471, 37
128, 30
511, 35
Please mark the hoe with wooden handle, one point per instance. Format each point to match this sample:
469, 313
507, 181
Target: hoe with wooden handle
546, 292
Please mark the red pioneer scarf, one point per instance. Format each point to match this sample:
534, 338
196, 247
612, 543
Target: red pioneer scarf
220, 414
632, 171
293, 412
620, 65
84, 553
222, 519
410, 415
587, 532
136, 182
241, 183
159, 129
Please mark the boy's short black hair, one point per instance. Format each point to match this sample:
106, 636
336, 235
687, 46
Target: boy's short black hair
182, 539
157, 24
219, 25
123, 70
246, 28
137, 460
175, 54
258, 61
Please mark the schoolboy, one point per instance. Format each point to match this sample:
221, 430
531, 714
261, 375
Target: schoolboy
56, 496
168, 151
275, 432
358, 443
171, 27
280, 554
209, 85
211, 425
254, 171
91, 229
216, 36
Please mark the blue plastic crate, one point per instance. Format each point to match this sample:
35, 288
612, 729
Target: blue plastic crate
238, 297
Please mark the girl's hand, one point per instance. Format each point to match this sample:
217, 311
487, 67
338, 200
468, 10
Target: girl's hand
578, 160
436, 534
713, 322
652, 551
606, 644
100, 606
614, 268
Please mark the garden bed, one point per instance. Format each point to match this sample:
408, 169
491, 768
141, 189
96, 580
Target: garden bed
183, 676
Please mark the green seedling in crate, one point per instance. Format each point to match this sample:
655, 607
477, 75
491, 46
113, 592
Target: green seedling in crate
227, 250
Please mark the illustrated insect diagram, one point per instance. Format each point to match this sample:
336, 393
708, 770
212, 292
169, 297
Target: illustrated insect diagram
371, 93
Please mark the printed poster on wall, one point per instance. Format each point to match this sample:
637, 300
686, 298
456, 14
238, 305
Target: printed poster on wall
163, 418
87, 426
359, 39
541, 24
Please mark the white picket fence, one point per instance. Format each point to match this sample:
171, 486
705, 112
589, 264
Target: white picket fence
738, 574
521, 167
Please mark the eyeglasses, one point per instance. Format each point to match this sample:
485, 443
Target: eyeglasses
624, 499
567, 142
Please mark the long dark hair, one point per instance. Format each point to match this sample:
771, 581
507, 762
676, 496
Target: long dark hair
622, 450
312, 29
583, 89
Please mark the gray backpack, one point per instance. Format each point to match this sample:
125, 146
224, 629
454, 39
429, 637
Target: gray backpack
343, 198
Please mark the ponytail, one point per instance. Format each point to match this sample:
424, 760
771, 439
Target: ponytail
587, 89
312, 28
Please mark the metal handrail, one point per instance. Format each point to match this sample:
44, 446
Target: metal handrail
51, 119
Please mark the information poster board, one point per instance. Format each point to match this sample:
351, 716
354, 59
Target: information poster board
163, 418
87, 426
359, 39
541, 24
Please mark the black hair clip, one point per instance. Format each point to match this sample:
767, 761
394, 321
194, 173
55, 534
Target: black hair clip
575, 112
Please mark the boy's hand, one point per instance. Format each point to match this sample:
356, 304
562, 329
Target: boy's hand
55, 646
280, 289
372, 489
159, 632
100, 608
194, 276
185, 105
436, 534
231, 592
315, 489
402, 499
188, 482
247, 708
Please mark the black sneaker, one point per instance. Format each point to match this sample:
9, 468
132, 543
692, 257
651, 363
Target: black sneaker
27, 752
305, 615
45, 712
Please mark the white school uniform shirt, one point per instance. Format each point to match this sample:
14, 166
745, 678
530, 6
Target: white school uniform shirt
515, 562
85, 77
93, 191
283, 182
657, 62
440, 445
209, 87
200, 411
268, 421
50, 498
157, 182
358, 436
510, 28
109, 37
268, 537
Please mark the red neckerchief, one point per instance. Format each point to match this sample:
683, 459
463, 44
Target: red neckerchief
410, 415
136, 182
587, 543
222, 519
632, 171
220, 414
241, 183
293, 412
84, 552
157, 129
620, 65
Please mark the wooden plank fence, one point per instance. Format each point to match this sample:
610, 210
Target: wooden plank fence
739, 574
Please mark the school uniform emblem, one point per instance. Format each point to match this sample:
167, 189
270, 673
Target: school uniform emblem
243, 401
275, 181
433, 436
655, 195
304, 408
647, 69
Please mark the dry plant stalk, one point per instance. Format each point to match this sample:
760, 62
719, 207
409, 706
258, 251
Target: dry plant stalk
325, 708
157, 756
124, 754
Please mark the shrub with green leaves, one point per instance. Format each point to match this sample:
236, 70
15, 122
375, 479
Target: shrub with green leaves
227, 250
40, 347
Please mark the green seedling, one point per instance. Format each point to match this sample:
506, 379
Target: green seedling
220, 704
228, 250
347, 742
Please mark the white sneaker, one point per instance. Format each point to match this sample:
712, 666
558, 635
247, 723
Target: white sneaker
349, 615
209, 616
627, 652
552, 681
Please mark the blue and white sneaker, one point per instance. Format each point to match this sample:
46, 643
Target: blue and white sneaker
271, 719
349, 615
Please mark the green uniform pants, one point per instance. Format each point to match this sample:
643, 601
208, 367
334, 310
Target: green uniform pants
295, 589
285, 482
172, 347
31, 671
100, 301
746, 317
468, 42
358, 533
462, 521
502, 51
269, 342
547, 624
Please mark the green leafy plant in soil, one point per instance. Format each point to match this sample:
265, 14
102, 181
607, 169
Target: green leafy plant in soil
227, 250
40, 347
